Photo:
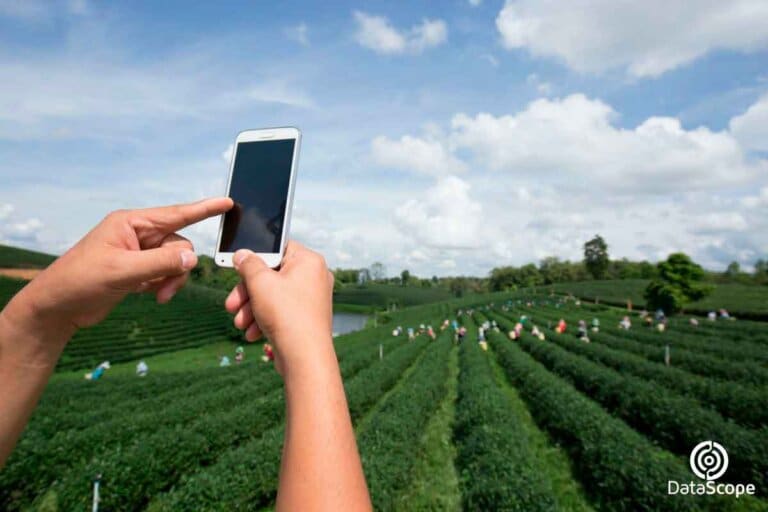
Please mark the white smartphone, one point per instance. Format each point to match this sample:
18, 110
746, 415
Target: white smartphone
262, 175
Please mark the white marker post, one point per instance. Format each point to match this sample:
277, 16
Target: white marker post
381, 351
666, 355
96, 498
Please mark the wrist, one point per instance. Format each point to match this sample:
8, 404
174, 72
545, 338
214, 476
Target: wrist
29, 335
308, 359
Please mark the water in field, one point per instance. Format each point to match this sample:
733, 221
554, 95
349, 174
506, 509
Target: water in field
348, 322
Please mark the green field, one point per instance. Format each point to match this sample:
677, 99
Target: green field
739, 299
13, 257
373, 296
528, 425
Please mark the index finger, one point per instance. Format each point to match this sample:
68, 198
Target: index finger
179, 216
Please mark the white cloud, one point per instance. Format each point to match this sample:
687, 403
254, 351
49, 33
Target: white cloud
429, 34
713, 223
475, 3
444, 216
646, 38
21, 232
377, 33
5, 211
575, 137
273, 91
562, 170
751, 127
298, 33
414, 154
82, 96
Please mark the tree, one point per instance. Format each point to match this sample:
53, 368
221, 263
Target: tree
596, 257
459, 286
678, 283
378, 271
405, 276
733, 269
761, 267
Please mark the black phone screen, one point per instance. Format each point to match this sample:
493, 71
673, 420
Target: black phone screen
259, 188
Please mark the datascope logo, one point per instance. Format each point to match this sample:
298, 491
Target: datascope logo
709, 461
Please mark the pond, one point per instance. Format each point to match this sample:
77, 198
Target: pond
344, 323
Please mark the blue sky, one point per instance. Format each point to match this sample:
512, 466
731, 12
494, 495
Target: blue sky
442, 137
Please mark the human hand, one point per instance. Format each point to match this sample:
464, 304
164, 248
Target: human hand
292, 306
128, 251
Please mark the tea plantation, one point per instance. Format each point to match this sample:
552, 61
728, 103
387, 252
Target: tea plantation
529, 425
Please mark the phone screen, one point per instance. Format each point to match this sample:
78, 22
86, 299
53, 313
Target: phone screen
259, 188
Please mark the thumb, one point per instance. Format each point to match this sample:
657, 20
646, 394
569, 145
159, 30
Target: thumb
248, 264
158, 263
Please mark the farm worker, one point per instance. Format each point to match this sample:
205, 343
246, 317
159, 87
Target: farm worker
455, 324
430, 332
659, 316
582, 330
421, 328
394, 332
462, 333
694, 322
625, 323
411, 334
445, 324
269, 353
140, 251
224, 361
512, 335
524, 320
561, 326
142, 369
98, 372
495, 326
724, 314
595, 324
239, 355
480, 334
711, 316
535, 331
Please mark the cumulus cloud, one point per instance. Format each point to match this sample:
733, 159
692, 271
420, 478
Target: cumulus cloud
645, 38
21, 232
562, 170
378, 34
576, 136
444, 216
751, 127
414, 154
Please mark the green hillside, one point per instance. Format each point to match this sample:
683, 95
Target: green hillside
140, 327
739, 299
13, 257
373, 296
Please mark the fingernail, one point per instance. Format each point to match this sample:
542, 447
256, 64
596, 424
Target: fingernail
188, 259
240, 256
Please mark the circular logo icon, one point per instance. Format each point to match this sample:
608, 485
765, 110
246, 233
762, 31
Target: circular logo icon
709, 460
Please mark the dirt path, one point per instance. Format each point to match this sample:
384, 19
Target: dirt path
20, 273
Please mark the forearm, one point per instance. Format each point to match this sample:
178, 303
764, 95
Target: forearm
321, 468
30, 345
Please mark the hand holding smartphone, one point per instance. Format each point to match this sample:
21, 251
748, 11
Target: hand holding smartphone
261, 181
